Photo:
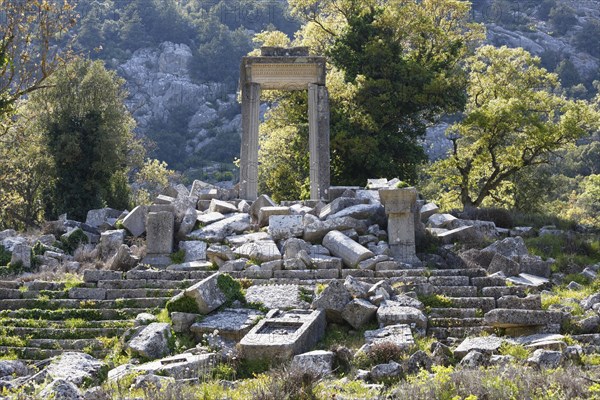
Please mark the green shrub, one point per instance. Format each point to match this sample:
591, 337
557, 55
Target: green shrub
178, 257
38, 249
182, 303
435, 301
231, 288
71, 242
5, 256
499, 216
516, 350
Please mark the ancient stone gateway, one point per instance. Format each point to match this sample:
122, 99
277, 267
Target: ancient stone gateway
285, 69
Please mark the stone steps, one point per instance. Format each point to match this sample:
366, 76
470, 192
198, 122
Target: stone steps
146, 284
32, 354
64, 333
452, 280
147, 302
454, 312
483, 303
65, 324
87, 314
458, 332
455, 322
456, 291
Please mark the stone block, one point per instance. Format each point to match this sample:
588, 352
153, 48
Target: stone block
285, 226
440, 220
207, 294
195, 250
391, 313
218, 231
315, 230
510, 318
326, 262
284, 334
283, 297
21, 253
223, 207
398, 335
87, 293
160, 228
339, 204
231, 323
97, 218
260, 202
428, 210
487, 344
531, 302
317, 363
94, 275
266, 212
123, 260
503, 264
135, 221
181, 366
333, 300
208, 218
261, 251
347, 249
358, 312
110, 241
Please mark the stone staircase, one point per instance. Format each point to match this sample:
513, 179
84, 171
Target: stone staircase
41, 319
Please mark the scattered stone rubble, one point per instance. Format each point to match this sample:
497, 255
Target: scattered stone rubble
352, 261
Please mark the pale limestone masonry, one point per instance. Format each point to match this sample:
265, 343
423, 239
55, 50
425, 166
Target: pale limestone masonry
285, 69
399, 206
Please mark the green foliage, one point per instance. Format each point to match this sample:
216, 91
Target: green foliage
182, 303
588, 37
178, 257
231, 288
514, 120
435, 301
562, 18
71, 242
5, 256
516, 350
571, 252
395, 67
89, 137
150, 181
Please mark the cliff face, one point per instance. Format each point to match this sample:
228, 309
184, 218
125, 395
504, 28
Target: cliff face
159, 85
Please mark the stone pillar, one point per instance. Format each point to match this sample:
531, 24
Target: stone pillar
160, 227
399, 206
249, 150
318, 128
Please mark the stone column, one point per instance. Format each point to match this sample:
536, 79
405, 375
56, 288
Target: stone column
318, 128
399, 206
249, 149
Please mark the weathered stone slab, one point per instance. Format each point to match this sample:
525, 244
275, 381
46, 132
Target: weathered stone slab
440, 220
339, 204
216, 232
283, 297
531, 302
110, 241
207, 294
87, 293
97, 218
528, 280
333, 299
486, 344
135, 221
326, 262
399, 335
151, 341
315, 230
283, 334
231, 323
509, 318
261, 251
285, 226
182, 321
317, 363
21, 253
347, 249
391, 313
266, 212
75, 367
208, 218
195, 250
223, 207
358, 312
160, 229
428, 210
181, 366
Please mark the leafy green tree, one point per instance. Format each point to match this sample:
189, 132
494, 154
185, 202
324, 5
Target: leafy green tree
568, 74
562, 18
588, 38
393, 68
29, 53
514, 120
89, 136
150, 181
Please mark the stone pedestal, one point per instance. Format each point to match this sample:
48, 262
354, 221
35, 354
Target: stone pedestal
399, 206
160, 227
318, 131
249, 150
